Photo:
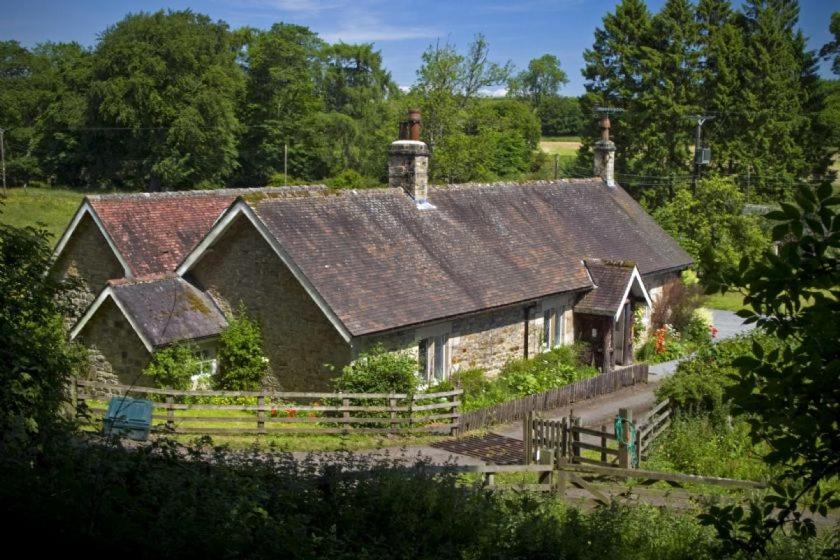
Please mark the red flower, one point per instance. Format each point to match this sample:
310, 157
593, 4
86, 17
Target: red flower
714, 331
660, 340
274, 412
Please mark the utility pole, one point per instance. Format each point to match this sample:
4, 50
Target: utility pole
556, 162
3, 157
701, 156
285, 165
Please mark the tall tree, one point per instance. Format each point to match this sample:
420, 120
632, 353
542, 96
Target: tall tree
541, 80
614, 72
61, 144
281, 64
831, 50
23, 95
163, 97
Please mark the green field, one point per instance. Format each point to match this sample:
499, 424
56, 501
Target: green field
51, 207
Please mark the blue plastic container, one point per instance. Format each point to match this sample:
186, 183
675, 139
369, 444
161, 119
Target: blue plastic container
127, 417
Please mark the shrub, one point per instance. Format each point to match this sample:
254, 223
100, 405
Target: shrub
699, 382
379, 371
666, 344
173, 366
242, 364
555, 368
676, 305
708, 445
699, 330
350, 179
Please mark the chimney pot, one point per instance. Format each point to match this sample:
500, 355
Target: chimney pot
408, 160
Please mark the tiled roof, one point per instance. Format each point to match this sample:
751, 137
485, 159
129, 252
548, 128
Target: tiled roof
381, 263
153, 231
611, 280
168, 309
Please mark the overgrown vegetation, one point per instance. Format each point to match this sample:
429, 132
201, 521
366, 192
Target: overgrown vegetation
157, 502
678, 326
378, 371
555, 368
173, 367
242, 362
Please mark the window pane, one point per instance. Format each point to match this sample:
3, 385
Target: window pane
559, 320
440, 343
547, 328
423, 357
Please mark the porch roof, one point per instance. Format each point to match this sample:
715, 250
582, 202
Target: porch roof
614, 281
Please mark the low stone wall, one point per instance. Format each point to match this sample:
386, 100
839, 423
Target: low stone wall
516, 410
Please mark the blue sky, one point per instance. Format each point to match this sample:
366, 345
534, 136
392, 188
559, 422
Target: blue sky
401, 29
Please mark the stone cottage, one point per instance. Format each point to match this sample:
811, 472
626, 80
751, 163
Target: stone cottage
460, 275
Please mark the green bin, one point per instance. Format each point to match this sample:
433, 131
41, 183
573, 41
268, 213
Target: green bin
127, 417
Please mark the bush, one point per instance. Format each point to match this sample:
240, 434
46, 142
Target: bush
699, 382
379, 371
350, 179
677, 303
242, 364
708, 445
554, 368
666, 344
558, 367
173, 367
166, 500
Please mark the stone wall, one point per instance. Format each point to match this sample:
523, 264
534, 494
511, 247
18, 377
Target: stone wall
484, 340
88, 260
116, 353
298, 339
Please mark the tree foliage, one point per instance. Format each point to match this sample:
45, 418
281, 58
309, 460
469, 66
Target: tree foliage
163, 98
788, 391
749, 69
172, 367
242, 362
711, 226
36, 361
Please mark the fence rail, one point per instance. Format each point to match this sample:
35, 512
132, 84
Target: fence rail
516, 410
652, 425
272, 412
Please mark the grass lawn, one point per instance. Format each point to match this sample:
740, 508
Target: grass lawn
575, 139
564, 148
51, 207
279, 442
730, 301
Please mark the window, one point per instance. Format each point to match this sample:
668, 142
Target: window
554, 327
434, 358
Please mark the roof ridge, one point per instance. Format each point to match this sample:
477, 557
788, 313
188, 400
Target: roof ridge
528, 183
143, 279
204, 192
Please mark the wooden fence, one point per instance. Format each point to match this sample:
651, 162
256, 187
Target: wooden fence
516, 410
652, 425
192, 412
602, 485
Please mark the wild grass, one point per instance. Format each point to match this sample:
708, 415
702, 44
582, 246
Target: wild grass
31, 206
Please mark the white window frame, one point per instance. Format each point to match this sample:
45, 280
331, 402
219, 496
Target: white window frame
554, 324
435, 366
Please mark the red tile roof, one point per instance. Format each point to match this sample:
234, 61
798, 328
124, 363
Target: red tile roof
154, 231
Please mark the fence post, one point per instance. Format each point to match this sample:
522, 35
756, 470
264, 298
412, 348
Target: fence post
454, 422
261, 414
575, 439
345, 402
527, 432
170, 411
624, 438
603, 443
392, 403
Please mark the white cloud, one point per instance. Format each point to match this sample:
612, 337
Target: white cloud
495, 92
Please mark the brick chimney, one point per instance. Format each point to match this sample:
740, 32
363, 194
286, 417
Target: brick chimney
408, 160
605, 154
